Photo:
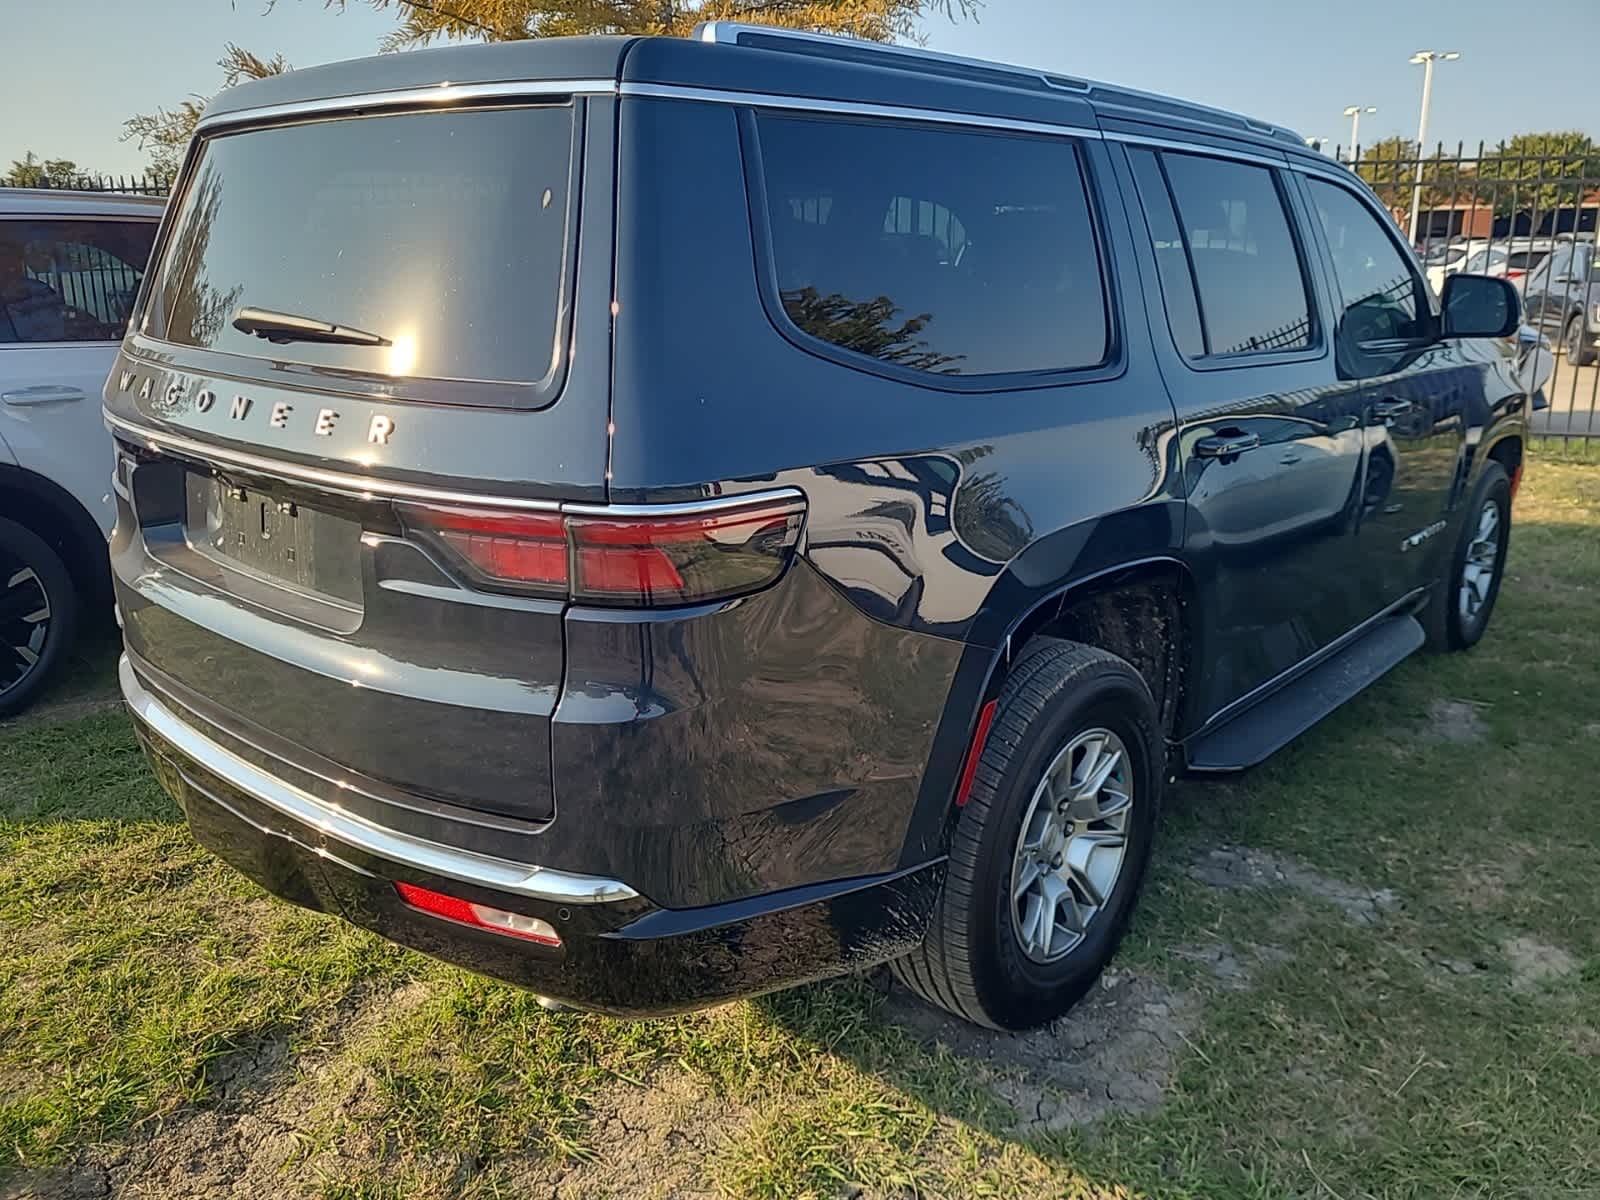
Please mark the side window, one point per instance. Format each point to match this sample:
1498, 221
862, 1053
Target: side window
70, 281
1247, 276
1558, 264
1172, 254
944, 251
1384, 300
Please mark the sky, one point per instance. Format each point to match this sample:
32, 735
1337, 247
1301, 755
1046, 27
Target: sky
72, 70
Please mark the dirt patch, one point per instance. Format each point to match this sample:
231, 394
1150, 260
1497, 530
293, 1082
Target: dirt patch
1232, 967
248, 1141
1116, 1052
61, 711
1535, 963
1456, 721
649, 1143
1239, 868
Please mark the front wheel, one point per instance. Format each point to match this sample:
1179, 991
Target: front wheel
1464, 599
1049, 853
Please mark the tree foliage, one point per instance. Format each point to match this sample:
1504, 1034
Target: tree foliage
165, 133
32, 171
1538, 172
1390, 166
422, 21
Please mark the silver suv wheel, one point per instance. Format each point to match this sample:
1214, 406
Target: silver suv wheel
1071, 846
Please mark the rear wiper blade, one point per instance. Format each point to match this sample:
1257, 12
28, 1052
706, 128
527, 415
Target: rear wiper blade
283, 328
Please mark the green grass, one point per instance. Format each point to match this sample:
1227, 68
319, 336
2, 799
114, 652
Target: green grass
143, 986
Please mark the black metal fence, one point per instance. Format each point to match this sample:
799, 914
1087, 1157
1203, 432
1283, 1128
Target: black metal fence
1529, 212
133, 185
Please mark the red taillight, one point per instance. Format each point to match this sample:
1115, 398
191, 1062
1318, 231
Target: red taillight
526, 547
631, 558
479, 916
1515, 274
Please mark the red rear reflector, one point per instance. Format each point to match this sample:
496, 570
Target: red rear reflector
975, 752
645, 559
1516, 480
479, 916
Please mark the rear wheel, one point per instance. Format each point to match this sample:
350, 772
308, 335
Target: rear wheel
38, 613
1049, 853
1576, 342
1464, 598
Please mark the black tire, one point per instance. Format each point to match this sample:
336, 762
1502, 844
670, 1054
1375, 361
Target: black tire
1448, 627
44, 642
1575, 340
972, 962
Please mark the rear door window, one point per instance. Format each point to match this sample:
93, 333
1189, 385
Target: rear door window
445, 233
70, 280
946, 252
1247, 271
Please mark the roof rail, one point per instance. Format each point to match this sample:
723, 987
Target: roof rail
734, 33
730, 33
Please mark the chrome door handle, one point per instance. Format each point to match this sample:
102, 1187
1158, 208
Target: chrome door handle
1388, 410
44, 393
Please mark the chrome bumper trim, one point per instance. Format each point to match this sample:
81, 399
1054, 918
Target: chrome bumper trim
498, 874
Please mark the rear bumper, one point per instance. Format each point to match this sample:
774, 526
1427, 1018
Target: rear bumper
620, 953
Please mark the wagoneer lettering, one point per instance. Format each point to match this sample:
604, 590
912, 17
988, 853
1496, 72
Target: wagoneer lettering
820, 566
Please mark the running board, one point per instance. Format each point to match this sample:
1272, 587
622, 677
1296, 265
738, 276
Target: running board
1279, 718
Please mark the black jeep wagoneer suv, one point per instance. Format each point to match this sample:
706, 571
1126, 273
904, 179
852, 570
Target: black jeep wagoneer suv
658, 520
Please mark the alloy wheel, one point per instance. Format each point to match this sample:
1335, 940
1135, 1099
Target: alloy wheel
1482, 561
24, 621
1072, 844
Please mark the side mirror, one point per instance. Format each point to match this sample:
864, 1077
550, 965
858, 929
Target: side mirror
1477, 306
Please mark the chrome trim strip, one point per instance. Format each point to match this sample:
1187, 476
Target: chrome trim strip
714, 504
367, 487
345, 483
1182, 147
439, 93
849, 108
498, 874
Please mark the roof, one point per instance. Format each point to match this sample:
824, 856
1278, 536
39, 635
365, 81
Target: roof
61, 202
760, 60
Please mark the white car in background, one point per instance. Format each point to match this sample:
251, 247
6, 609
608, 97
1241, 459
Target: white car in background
70, 266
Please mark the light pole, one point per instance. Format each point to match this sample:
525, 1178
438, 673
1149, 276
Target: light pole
1427, 58
1354, 113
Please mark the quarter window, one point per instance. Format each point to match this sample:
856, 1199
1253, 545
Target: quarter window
1383, 299
70, 281
941, 251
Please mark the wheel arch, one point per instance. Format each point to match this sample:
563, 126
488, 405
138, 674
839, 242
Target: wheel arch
1114, 608
53, 513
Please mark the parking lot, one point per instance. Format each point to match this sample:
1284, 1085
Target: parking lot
1370, 967
1574, 395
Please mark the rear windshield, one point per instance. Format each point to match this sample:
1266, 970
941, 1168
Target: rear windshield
444, 233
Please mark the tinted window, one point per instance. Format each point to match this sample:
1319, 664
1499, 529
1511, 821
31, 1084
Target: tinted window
1383, 297
70, 281
942, 251
1557, 265
1247, 270
443, 232
1172, 256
